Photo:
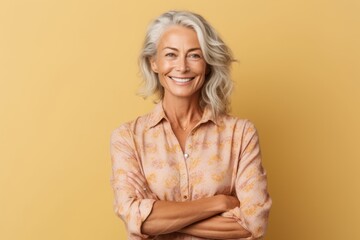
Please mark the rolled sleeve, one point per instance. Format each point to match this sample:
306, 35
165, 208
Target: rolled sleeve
251, 187
127, 206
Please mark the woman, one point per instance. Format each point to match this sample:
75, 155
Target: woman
187, 170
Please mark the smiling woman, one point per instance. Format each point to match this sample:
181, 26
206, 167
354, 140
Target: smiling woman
188, 170
180, 65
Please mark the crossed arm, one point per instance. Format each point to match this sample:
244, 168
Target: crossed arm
146, 215
197, 218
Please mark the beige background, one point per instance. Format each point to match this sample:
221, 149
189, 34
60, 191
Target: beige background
68, 76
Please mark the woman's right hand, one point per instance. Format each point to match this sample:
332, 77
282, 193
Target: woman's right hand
142, 190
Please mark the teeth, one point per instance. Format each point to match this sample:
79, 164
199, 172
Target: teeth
182, 80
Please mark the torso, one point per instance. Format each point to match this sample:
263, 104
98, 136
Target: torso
188, 165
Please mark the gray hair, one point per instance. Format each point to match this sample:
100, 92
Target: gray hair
217, 86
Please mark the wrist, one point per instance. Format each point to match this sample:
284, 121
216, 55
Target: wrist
222, 203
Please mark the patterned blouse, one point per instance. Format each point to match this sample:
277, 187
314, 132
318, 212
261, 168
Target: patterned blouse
222, 156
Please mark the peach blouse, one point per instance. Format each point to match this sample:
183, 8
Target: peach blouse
222, 156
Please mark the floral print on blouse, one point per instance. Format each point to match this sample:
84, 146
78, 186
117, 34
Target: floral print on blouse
221, 156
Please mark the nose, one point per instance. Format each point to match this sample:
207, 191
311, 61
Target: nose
182, 65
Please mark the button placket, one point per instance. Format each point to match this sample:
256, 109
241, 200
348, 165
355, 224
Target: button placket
183, 177
185, 173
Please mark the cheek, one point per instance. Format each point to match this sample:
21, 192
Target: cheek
200, 68
164, 67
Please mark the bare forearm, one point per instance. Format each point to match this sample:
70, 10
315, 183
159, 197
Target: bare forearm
217, 227
167, 217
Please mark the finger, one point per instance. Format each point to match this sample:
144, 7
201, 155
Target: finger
148, 194
133, 187
139, 195
139, 188
141, 184
138, 191
134, 184
153, 196
141, 180
138, 179
140, 176
131, 183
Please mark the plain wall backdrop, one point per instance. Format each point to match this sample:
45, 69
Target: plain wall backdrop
68, 77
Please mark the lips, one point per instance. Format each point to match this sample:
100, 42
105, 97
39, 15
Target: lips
181, 79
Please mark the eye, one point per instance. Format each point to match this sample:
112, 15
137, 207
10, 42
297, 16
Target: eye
194, 55
170, 55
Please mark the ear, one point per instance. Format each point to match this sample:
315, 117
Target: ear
153, 64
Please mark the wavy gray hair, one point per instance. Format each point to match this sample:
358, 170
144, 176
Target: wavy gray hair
217, 86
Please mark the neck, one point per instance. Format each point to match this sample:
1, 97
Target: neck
182, 112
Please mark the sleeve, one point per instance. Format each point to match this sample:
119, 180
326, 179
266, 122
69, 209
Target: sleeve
131, 210
251, 187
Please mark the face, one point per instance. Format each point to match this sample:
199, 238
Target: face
179, 63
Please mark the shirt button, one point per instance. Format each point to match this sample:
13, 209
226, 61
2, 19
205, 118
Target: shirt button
186, 155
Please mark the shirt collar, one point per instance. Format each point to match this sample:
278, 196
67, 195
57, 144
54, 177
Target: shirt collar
158, 114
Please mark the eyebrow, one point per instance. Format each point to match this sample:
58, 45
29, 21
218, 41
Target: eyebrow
175, 49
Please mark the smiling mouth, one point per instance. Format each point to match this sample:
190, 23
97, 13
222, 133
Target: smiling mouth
181, 80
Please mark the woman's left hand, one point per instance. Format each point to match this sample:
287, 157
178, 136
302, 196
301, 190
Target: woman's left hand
142, 190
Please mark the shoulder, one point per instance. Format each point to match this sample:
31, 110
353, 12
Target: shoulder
236, 122
133, 127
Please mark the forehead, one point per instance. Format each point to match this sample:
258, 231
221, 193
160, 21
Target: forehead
179, 37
